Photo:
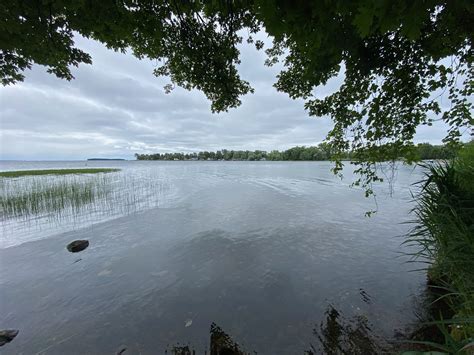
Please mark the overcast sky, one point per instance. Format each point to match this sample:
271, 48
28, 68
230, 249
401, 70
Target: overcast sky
116, 108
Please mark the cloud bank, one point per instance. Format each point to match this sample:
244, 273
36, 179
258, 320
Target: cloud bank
116, 108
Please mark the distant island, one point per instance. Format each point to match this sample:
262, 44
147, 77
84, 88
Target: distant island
105, 159
422, 151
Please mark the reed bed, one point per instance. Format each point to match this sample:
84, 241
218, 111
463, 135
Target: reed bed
31, 196
20, 173
444, 239
79, 196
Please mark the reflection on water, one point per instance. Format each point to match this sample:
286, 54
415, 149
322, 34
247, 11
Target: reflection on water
220, 343
258, 249
336, 335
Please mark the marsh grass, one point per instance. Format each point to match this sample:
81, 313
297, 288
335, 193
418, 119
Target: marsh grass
443, 238
21, 173
47, 202
49, 195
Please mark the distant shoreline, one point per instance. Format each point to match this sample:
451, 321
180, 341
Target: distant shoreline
322, 152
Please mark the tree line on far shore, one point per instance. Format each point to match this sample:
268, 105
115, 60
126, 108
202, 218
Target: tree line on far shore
323, 151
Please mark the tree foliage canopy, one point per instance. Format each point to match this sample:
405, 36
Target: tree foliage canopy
397, 56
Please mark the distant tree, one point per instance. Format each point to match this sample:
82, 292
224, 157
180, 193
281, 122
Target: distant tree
319, 155
260, 154
236, 155
306, 154
274, 155
427, 151
227, 154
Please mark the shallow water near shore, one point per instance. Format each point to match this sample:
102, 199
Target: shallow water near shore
264, 250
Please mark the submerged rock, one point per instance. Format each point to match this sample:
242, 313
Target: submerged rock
7, 335
77, 246
122, 349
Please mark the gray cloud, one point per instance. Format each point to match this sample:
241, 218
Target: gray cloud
116, 108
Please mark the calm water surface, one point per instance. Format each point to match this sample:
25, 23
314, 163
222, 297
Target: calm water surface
265, 250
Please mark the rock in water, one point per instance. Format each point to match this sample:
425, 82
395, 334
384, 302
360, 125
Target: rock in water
121, 350
7, 336
77, 246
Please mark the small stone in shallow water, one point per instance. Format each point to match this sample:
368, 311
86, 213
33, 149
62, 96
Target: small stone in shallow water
77, 246
7, 335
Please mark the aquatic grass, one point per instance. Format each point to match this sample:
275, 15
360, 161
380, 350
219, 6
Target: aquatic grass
43, 195
444, 238
21, 173
74, 200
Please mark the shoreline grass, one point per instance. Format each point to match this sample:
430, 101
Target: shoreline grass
20, 173
444, 236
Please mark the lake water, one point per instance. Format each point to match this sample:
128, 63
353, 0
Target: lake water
268, 252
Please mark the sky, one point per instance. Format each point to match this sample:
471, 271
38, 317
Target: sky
117, 107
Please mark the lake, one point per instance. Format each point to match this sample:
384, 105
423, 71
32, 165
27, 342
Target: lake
271, 254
